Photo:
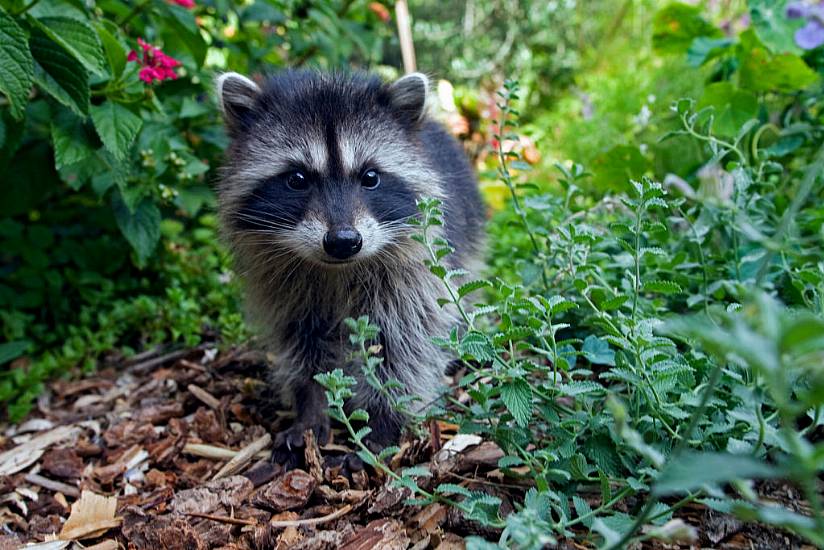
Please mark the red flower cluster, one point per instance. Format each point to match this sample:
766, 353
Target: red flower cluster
155, 64
188, 4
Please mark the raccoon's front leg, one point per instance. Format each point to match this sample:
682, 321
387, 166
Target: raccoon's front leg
310, 406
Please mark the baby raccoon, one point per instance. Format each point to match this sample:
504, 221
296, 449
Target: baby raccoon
318, 187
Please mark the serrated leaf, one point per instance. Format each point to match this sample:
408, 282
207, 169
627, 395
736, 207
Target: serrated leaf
580, 387
76, 37
117, 127
359, 415
477, 345
517, 396
16, 65
141, 227
452, 489
416, 471
662, 287
59, 74
472, 286
70, 141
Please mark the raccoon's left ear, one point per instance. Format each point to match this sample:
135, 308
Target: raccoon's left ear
236, 96
408, 96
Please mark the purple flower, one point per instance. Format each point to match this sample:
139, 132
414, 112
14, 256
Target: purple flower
811, 35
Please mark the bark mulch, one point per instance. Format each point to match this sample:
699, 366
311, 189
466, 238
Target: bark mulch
170, 450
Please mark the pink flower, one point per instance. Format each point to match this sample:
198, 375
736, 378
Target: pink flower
155, 65
188, 4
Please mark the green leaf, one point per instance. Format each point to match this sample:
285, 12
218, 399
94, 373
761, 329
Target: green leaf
472, 286
676, 26
78, 38
182, 23
59, 74
70, 140
773, 27
517, 396
117, 127
763, 71
597, 351
477, 345
731, 107
141, 227
9, 351
705, 48
663, 287
452, 489
416, 471
692, 470
115, 52
16, 65
580, 387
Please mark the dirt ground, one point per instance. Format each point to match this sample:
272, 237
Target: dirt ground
170, 450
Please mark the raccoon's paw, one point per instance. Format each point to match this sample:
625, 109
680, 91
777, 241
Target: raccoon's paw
349, 463
289, 444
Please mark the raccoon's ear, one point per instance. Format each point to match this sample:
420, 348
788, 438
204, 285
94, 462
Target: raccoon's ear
236, 96
408, 96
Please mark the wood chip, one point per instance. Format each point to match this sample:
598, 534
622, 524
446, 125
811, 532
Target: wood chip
204, 396
386, 534
244, 456
26, 454
311, 521
91, 516
52, 485
286, 492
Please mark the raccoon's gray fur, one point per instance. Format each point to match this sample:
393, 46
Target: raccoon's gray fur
315, 240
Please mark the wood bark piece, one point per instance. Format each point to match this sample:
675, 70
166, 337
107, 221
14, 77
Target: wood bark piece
26, 454
227, 492
244, 456
386, 534
286, 492
91, 516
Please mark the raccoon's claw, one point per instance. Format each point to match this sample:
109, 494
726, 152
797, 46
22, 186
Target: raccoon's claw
289, 444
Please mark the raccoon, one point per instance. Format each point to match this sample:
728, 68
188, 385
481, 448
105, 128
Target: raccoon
318, 186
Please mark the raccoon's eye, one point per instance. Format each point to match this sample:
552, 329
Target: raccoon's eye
370, 179
297, 181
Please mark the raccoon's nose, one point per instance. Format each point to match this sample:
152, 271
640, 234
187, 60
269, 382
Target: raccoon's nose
342, 243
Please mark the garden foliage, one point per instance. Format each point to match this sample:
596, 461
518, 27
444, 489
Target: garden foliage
109, 140
651, 328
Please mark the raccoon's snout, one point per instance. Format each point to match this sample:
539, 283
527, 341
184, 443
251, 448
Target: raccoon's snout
342, 243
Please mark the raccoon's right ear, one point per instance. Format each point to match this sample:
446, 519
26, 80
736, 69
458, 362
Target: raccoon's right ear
236, 96
408, 96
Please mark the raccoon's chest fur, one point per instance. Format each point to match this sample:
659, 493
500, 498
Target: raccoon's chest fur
303, 316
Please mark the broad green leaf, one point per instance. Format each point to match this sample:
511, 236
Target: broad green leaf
117, 127
676, 26
662, 287
692, 470
773, 27
141, 227
597, 351
78, 38
731, 107
59, 74
185, 29
517, 396
16, 65
580, 387
763, 71
705, 48
10, 351
70, 140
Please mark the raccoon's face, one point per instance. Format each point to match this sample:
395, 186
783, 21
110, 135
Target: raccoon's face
323, 168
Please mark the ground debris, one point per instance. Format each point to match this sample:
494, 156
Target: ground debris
172, 451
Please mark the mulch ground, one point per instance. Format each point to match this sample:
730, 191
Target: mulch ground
170, 450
